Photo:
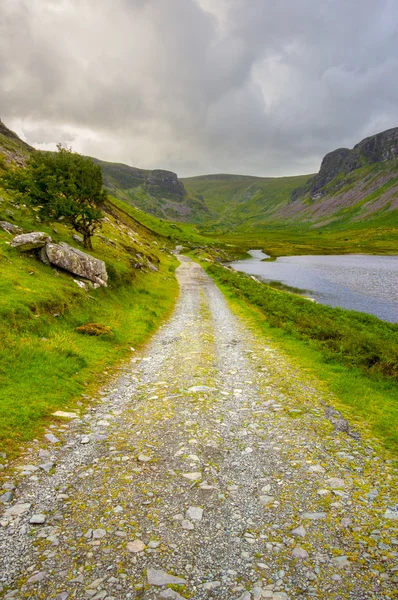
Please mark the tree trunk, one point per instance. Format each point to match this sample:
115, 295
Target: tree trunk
87, 241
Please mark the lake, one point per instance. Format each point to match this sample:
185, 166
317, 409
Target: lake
362, 282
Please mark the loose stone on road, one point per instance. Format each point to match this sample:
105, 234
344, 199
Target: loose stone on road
208, 469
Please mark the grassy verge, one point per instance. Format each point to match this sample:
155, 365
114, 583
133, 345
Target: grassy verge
304, 330
45, 363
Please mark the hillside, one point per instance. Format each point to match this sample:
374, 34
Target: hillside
158, 192
238, 199
60, 333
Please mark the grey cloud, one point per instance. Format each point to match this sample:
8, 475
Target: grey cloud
255, 86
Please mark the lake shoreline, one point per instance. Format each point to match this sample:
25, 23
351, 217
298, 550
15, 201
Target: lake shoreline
363, 282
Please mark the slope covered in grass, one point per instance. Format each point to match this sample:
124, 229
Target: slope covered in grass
45, 363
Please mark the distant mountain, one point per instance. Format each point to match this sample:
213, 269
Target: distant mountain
157, 192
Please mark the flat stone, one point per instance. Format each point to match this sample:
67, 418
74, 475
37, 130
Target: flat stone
192, 476
65, 415
195, 513
391, 514
316, 469
47, 466
37, 578
185, 524
38, 519
144, 458
136, 546
51, 438
314, 516
211, 585
341, 562
7, 497
299, 553
30, 241
159, 577
98, 534
280, 596
335, 483
195, 389
171, 594
299, 531
264, 500
245, 596
62, 596
17, 510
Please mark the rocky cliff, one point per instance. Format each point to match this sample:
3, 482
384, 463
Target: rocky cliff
376, 148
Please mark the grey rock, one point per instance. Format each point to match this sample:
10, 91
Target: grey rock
185, 524
314, 516
299, 553
10, 227
264, 500
195, 513
7, 497
62, 596
195, 389
37, 578
159, 578
77, 238
38, 519
77, 262
391, 513
51, 438
47, 466
98, 534
341, 562
17, 510
171, 594
30, 241
245, 596
299, 531
211, 585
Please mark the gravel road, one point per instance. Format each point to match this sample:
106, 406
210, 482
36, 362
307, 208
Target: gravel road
210, 468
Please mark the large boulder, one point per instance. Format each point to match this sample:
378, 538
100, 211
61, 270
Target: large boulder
77, 262
30, 241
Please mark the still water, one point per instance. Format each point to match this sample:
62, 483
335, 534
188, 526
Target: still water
356, 281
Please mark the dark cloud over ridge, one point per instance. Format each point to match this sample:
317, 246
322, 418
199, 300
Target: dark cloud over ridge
253, 86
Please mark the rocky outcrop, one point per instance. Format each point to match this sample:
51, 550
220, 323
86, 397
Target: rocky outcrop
376, 148
77, 262
10, 227
165, 184
30, 241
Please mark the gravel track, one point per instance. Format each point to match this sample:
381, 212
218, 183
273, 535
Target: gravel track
212, 460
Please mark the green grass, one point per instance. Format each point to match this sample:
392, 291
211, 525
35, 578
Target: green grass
348, 337
45, 364
359, 390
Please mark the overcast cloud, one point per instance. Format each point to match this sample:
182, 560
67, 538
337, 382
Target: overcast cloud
263, 87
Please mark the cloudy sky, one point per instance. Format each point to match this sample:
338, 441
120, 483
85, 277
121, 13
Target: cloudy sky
263, 87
